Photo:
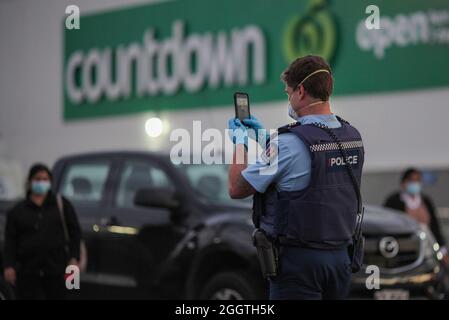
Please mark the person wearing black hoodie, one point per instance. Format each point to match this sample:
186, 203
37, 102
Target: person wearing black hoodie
417, 205
36, 252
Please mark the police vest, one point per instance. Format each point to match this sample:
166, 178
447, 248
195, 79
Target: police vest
323, 215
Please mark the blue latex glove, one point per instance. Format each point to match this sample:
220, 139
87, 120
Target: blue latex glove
258, 127
239, 134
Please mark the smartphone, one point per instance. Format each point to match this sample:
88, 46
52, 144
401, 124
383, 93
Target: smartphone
241, 102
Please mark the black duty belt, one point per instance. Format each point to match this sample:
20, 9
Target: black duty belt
283, 241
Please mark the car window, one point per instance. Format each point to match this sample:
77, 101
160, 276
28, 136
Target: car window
84, 182
210, 182
138, 175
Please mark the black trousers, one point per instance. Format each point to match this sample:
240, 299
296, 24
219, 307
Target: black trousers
40, 287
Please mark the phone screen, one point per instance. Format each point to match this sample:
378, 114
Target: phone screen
241, 101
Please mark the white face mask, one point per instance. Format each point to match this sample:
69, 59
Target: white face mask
292, 114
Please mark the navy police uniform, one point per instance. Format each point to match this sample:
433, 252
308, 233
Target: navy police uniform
313, 225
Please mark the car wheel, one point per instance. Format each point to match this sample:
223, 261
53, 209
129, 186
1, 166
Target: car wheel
6, 292
233, 286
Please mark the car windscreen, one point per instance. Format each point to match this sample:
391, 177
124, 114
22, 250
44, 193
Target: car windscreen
210, 182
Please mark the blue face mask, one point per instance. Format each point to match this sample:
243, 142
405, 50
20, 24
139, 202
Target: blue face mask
40, 187
413, 188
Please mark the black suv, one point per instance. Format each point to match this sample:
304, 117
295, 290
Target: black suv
158, 230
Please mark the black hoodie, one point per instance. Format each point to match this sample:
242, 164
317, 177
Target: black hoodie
34, 237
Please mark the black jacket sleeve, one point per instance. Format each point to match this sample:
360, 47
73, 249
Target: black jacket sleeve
434, 223
10, 250
73, 228
394, 202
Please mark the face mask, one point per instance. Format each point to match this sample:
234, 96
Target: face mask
40, 187
291, 113
413, 188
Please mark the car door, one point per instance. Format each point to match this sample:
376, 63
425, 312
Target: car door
84, 183
134, 240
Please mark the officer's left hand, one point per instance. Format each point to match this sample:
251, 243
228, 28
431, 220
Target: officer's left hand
238, 133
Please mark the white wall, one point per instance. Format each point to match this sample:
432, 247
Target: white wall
399, 129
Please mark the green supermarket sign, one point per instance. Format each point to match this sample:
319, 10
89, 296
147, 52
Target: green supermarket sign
195, 53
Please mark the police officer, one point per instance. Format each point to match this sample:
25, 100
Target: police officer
306, 205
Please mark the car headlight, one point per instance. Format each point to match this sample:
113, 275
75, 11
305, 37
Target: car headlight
431, 247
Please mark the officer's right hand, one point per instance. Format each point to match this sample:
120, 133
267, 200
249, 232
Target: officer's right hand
253, 123
10, 275
257, 126
238, 132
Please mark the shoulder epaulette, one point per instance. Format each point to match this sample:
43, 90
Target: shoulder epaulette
342, 120
287, 127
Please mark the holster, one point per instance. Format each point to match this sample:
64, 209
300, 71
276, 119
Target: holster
258, 208
267, 252
356, 250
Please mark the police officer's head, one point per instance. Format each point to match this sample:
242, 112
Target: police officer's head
308, 83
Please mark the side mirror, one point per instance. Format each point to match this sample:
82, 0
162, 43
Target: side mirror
157, 198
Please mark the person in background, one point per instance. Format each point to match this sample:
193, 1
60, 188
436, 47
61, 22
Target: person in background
418, 206
36, 253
